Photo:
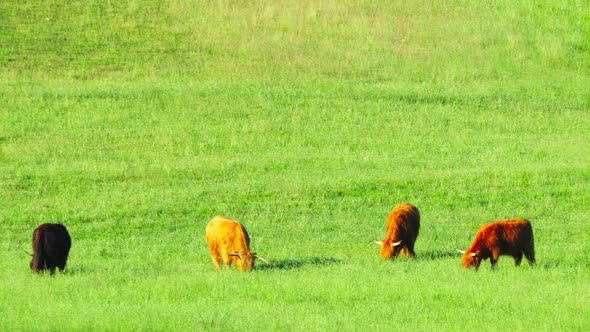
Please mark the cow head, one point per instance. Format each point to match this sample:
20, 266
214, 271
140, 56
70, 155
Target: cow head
35, 264
245, 260
470, 259
389, 249
31, 263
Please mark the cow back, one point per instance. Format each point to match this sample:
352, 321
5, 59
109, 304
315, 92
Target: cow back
403, 223
229, 233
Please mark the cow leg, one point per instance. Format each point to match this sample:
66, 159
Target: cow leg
411, 250
51, 264
517, 258
44, 264
404, 252
530, 256
216, 262
62, 265
494, 258
494, 261
227, 260
216, 259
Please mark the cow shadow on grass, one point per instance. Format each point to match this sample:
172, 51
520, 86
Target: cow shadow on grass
77, 270
290, 264
438, 254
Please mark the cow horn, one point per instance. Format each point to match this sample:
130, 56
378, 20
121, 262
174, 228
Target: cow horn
395, 244
261, 258
378, 242
236, 254
28, 253
461, 251
473, 254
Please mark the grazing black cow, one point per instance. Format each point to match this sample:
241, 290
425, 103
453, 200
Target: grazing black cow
51, 245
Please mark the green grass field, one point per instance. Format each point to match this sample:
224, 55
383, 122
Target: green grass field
134, 123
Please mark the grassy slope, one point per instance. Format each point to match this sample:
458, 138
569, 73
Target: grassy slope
135, 124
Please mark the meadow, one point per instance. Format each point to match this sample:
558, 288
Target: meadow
134, 123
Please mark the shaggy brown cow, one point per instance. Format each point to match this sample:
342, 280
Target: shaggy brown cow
505, 237
51, 246
229, 242
402, 228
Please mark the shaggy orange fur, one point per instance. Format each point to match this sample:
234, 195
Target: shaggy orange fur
505, 237
229, 243
402, 225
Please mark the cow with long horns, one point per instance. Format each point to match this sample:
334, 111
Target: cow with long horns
51, 246
403, 225
229, 243
512, 237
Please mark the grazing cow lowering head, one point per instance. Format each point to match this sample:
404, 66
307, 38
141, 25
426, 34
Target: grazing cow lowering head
229, 243
51, 246
505, 237
402, 228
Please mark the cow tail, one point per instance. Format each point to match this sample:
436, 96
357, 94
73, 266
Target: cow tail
529, 251
530, 255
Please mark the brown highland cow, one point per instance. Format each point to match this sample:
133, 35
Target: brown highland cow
402, 228
229, 243
51, 246
505, 237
